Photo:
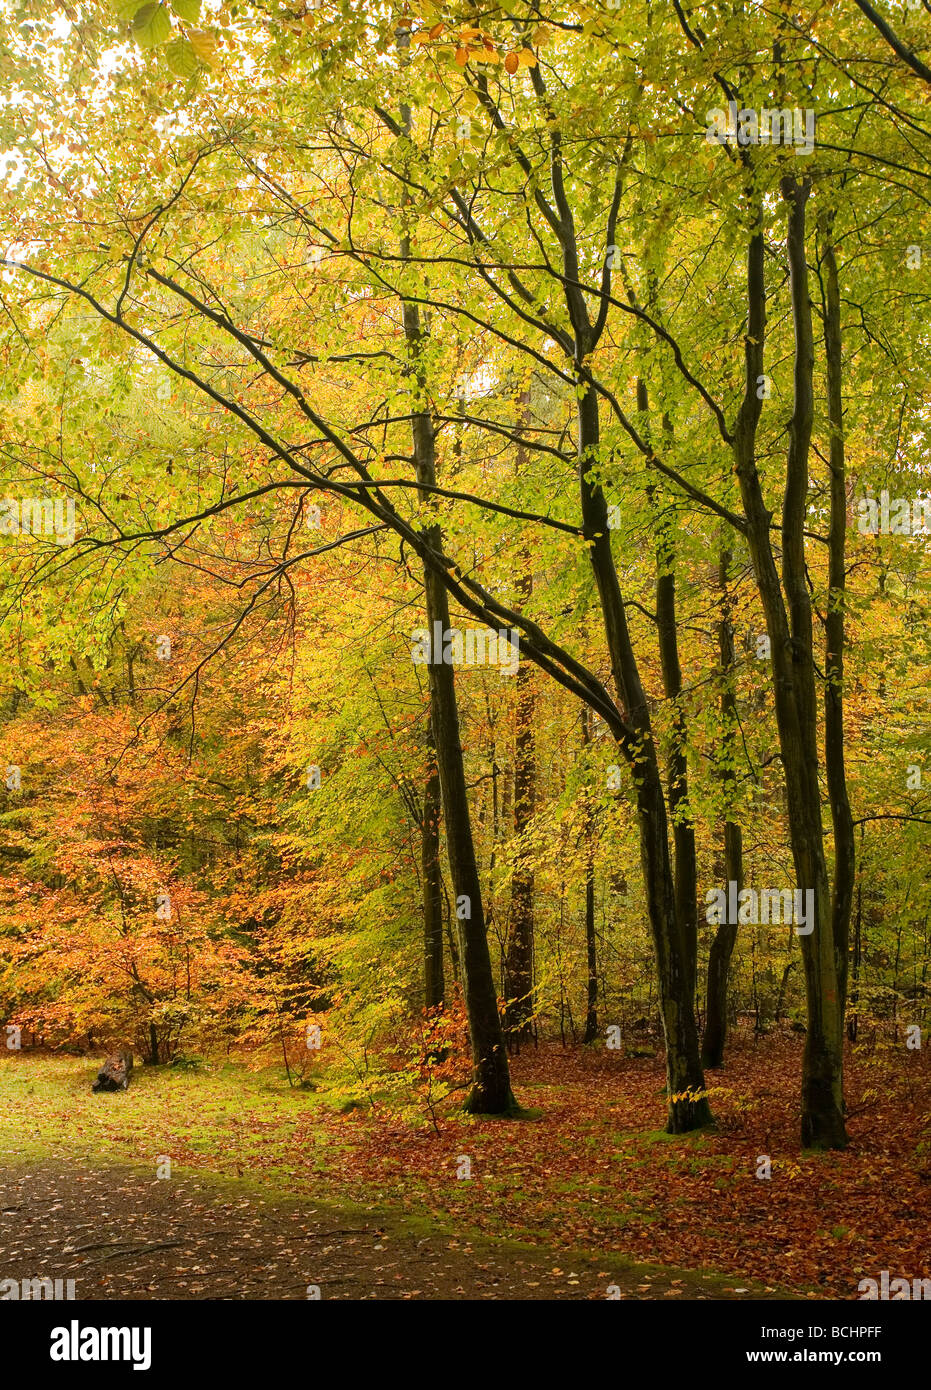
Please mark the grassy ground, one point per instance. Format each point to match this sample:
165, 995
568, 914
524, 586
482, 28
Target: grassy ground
222, 1117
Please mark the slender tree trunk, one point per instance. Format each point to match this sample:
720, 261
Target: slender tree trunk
783, 986
722, 947
591, 1006
823, 1065
519, 954
491, 1090
434, 986
677, 770
683, 831
853, 1020
719, 958
841, 817
675, 952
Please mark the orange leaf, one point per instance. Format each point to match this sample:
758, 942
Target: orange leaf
511, 63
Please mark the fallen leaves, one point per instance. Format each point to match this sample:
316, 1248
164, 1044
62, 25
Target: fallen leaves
594, 1173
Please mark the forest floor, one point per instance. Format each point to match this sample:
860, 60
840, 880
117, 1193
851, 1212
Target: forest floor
122, 1235
273, 1189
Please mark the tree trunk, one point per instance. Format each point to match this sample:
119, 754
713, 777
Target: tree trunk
519, 954
853, 1020
719, 958
434, 986
823, 1065
722, 947
841, 817
790, 632
675, 952
677, 771
491, 1089
591, 1006
491, 1086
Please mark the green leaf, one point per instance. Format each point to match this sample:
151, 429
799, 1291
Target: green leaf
151, 26
182, 60
125, 10
188, 10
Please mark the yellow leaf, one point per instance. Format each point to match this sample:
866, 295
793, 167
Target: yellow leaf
527, 58
204, 44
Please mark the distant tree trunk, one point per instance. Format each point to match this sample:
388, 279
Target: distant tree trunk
434, 986
853, 1019
519, 953
591, 1008
719, 959
783, 986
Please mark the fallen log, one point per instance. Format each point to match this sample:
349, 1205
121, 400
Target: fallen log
114, 1073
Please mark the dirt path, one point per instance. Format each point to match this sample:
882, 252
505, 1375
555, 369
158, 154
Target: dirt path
122, 1235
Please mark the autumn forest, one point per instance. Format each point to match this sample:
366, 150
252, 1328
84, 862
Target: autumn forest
465, 574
